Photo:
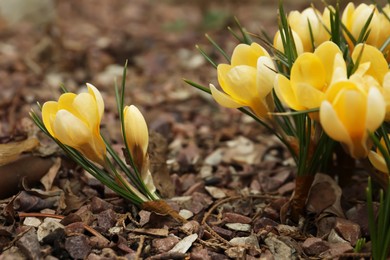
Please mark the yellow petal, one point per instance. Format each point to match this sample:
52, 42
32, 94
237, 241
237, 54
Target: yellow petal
98, 97
327, 53
86, 106
238, 82
308, 96
66, 102
265, 76
308, 68
332, 125
245, 54
378, 64
49, 111
285, 92
376, 109
378, 162
137, 134
223, 99
278, 43
70, 130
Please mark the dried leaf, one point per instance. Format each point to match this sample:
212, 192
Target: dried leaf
10, 152
48, 179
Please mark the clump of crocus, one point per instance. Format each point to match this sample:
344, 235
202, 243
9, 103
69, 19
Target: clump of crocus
247, 81
309, 28
75, 121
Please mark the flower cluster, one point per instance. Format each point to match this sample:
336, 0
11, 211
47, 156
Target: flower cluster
74, 123
348, 88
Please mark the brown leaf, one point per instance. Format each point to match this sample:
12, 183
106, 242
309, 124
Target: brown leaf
11, 151
31, 168
48, 179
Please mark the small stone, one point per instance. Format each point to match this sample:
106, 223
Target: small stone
77, 246
184, 244
106, 219
225, 233
349, 230
334, 237
77, 227
244, 241
29, 244
239, 227
32, 221
165, 244
234, 252
98, 205
215, 192
199, 254
336, 249
230, 217
186, 213
191, 226
314, 246
47, 227
279, 249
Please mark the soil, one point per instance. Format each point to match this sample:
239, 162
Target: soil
220, 170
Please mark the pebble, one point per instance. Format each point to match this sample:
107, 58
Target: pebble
47, 227
243, 241
77, 246
32, 221
29, 244
186, 213
215, 192
239, 227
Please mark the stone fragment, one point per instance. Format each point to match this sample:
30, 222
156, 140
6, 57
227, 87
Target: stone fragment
186, 213
236, 252
231, 217
245, 241
184, 244
215, 192
336, 249
239, 227
29, 244
77, 246
223, 232
279, 249
47, 227
314, 246
98, 205
348, 230
165, 244
106, 219
32, 221
76, 227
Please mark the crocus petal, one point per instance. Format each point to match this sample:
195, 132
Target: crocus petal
378, 64
245, 54
223, 99
98, 97
327, 53
278, 43
308, 96
136, 129
309, 69
49, 111
265, 76
238, 82
332, 125
86, 106
376, 109
285, 92
378, 162
65, 102
70, 130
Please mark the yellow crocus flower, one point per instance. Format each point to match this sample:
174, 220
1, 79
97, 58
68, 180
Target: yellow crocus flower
137, 135
354, 19
247, 81
137, 139
377, 160
75, 121
310, 76
349, 111
301, 24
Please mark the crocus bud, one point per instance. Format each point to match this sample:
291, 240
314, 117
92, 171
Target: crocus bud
75, 121
137, 135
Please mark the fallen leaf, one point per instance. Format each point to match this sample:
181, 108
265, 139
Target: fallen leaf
48, 179
10, 152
